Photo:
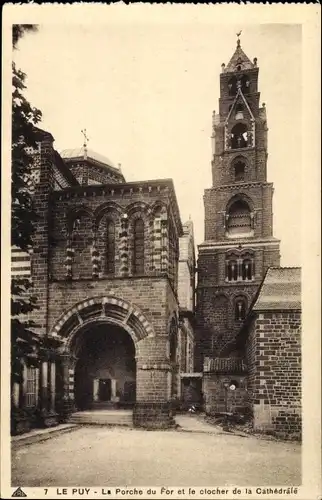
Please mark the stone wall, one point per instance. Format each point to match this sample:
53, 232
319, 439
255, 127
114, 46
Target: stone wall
186, 269
78, 221
216, 324
274, 362
214, 393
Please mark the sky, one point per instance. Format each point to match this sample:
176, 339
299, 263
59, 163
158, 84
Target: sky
145, 93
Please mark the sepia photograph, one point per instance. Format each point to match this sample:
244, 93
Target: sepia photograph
156, 256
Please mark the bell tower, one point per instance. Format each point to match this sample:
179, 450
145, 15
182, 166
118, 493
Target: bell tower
239, 245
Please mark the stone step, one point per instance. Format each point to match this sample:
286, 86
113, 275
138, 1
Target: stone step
101, 417
37, 435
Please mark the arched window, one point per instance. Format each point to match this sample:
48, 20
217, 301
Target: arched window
232, 86
138, 247
245, 84
232, 270
240, 308
239, 64
239, 136
239, 112
110, 247
239, 170
247, 269
239, 219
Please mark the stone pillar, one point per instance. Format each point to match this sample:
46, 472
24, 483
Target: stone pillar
164, 243
153, 408
16, 394
68, 365
113, 389
239, 269
157, 244
52, 385
95, 389
70, 253
48, 416
24, 385
124, 250
95, 259
44, 385
37, 387
150, 244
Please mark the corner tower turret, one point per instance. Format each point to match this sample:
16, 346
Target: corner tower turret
239, 245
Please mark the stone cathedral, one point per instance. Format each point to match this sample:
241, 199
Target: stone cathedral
140, 325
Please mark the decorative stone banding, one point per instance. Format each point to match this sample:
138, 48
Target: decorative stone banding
109, 308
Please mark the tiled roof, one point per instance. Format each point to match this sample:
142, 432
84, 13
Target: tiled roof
69, 154
281, 290
224, 365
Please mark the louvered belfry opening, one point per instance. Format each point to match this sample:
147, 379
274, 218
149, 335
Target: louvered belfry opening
239, 136
239, 221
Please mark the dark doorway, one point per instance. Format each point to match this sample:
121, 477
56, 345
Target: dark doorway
106, 368
105, 389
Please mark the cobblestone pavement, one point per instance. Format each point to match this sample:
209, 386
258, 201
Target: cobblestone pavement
101, 456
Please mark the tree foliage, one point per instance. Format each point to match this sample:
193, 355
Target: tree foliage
25, 343
18, 31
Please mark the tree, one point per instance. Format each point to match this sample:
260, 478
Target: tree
24, 341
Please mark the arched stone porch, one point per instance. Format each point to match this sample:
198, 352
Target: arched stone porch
89, 331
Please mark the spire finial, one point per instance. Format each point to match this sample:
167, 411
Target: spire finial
238, 35
86, 139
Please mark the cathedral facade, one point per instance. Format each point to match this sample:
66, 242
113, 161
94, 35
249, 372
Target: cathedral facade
114, 270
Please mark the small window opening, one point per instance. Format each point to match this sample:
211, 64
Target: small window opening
232, 270
239, 112
247, 271
232, 86
239, 171
240, 309
110, 248
245, 84
239, 136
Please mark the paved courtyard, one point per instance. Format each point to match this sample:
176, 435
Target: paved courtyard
95, 455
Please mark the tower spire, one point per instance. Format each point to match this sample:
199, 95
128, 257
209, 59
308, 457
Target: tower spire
86, 139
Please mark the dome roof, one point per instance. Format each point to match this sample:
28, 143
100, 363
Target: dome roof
78, 153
